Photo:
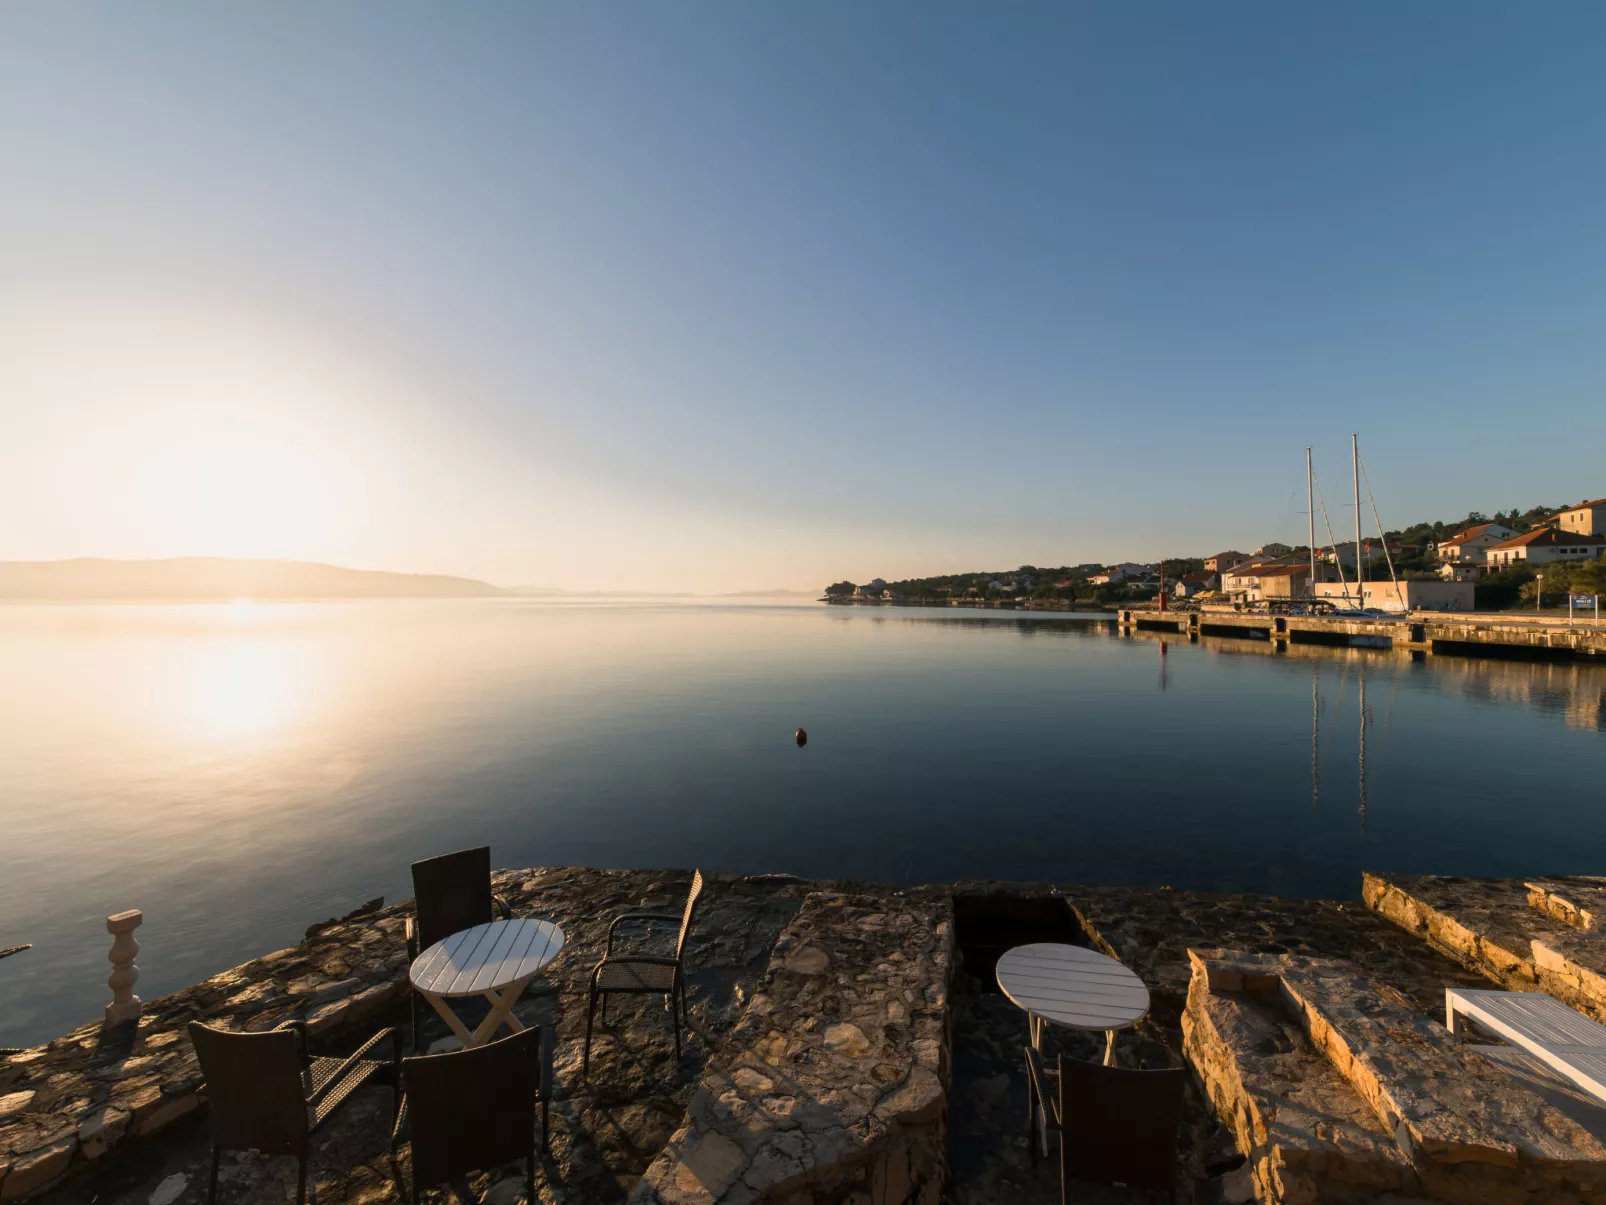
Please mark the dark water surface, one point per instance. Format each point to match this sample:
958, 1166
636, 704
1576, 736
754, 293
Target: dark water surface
239, 772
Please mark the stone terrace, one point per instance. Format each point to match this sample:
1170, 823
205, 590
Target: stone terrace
818, 1066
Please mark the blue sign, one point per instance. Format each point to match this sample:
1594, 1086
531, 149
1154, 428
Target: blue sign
1583, 601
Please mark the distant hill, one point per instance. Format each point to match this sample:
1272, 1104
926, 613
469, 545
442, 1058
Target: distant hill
208, 577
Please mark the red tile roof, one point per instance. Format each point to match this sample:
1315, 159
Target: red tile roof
1470, 533
1547, 537
1583, 506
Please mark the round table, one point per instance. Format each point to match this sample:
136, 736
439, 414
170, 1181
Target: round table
1074, 987
496, 960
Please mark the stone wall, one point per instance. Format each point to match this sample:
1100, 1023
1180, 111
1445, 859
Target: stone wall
833, 1087
1337, 1091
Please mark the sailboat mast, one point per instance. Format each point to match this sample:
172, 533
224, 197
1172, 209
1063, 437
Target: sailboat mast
1310, 509
1355, 467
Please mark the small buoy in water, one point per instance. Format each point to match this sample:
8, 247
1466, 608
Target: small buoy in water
802, 738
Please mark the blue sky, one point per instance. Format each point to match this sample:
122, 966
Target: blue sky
712, 296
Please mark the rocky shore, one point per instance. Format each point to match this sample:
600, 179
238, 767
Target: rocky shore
847, 1046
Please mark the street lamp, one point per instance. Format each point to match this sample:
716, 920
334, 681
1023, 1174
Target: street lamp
1539, 593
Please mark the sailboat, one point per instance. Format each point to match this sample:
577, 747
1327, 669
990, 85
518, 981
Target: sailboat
1353, 608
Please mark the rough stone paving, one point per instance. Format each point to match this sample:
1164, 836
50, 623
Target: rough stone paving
834, 1085
847, 1046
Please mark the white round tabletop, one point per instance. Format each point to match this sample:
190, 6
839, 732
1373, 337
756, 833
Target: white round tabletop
487, 957
1072, 986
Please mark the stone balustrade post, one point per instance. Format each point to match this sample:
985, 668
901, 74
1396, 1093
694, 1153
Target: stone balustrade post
125, 1005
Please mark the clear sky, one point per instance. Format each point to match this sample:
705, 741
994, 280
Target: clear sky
714, 296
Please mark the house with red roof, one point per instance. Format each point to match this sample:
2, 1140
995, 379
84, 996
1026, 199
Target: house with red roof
1545, 544
1472, 545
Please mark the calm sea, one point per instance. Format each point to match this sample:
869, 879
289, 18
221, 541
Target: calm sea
239, 772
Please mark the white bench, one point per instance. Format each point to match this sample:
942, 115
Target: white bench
1563, 1039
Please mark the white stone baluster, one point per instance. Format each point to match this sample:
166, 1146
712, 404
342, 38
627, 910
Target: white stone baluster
124, 1005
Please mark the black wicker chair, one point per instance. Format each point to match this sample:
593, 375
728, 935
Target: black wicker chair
1116, 1125
472, 1110
633, 974
450, 893
267, 1094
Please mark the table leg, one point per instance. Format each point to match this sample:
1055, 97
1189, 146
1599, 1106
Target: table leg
501, 1012
445, 1010
1109, 1047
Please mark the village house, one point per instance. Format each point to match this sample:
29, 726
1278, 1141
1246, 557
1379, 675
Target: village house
1545, 544
872, 589
1223, 561
1471, 547
1108, 577
1190, 584
1585, 519
1242, 582
1274, 549
1371, 553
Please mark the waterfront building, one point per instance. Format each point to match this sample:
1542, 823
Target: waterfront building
1416, 594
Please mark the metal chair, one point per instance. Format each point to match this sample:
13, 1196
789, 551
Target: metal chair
1116, 1125
450, 893
636, 974
474, 1109
266, 1092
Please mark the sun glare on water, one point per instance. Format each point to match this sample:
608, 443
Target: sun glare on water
237, 689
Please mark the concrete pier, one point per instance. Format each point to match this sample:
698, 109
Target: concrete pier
1461, 635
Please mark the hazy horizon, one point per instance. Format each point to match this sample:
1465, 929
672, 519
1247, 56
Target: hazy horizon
707, 299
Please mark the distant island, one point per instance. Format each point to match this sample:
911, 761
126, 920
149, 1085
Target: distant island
212, 578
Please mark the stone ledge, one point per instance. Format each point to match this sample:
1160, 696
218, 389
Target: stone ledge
1288, 1047
1523, 934
835, 1081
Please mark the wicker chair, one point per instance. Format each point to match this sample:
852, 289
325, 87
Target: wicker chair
450, 893
473, 1110
634, 974
1116, 1125
266, 1093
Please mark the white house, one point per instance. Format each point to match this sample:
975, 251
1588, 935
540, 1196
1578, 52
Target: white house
1242, 582
1273, 549
1585, 519
1472, 545
1543, 545
1108, 577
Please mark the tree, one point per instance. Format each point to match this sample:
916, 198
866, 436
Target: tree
840, 590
